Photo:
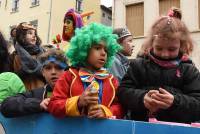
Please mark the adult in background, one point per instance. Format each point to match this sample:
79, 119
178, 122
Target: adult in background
121, 62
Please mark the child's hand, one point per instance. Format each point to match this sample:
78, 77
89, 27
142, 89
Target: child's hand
44, 104
149, 102
164, 99
87, 98
96, 112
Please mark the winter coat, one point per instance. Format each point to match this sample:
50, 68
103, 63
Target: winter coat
119, 66
183, 82
25, 103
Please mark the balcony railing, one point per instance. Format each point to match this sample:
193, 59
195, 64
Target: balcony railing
47, 124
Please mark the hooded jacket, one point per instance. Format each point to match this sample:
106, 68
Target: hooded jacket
25, 103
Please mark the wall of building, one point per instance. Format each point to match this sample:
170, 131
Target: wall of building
46, 13
106, 16
151, 12
26, 13
60, 8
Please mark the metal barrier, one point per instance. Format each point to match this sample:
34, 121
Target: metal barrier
47, 124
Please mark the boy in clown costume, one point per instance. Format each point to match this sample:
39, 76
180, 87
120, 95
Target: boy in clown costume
91, 51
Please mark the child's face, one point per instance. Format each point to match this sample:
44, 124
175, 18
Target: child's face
97, 56
31, 37
127, 45
51, 73
166, 48
69, 28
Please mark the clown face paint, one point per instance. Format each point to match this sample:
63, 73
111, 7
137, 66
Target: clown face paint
68, 28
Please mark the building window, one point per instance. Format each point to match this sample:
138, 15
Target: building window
0, 3
103, 15
165, 5
15, 5
110, 18
34, 23
79, 6
135, 18
35, 2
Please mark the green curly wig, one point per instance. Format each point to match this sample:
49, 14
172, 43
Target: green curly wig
88, 36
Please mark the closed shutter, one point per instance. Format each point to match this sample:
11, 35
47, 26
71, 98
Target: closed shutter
135, 19
165, 5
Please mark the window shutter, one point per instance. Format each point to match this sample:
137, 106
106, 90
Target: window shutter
135, 18
165, 5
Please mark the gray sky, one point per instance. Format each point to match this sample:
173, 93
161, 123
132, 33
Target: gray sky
107, 3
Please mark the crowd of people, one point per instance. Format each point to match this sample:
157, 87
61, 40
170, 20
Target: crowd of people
94, 77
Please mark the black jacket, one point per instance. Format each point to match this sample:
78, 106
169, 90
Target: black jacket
24, 103
144, 75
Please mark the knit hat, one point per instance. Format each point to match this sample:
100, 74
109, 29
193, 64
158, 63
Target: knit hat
122, 32
10, 84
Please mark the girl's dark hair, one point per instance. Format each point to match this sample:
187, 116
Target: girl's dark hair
4, 55
13, 34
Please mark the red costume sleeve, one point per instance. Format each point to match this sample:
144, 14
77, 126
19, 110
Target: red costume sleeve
116, 107
60, 95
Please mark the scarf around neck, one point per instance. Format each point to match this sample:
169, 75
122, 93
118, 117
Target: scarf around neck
33, 49
171, 63
29, 64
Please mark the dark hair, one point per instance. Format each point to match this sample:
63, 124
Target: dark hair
13, 34
4, 55
57, 53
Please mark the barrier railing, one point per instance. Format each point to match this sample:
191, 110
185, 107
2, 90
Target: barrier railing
47, 124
